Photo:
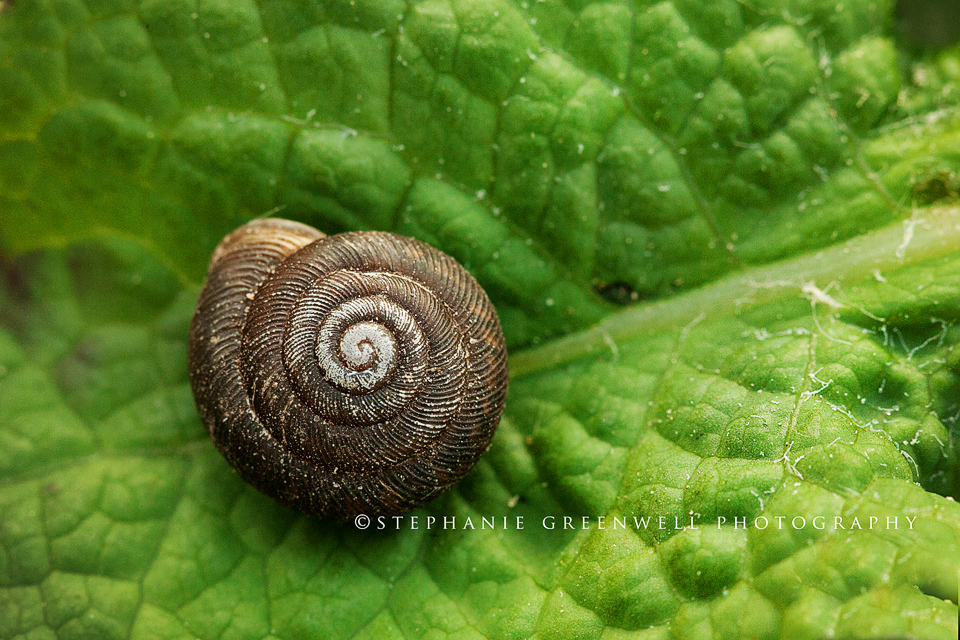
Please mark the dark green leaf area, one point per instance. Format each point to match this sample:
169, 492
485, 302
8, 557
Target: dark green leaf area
659, 145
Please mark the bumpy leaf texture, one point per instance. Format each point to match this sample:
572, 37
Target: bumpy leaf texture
770, 186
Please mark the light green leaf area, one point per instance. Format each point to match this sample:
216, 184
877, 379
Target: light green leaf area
770, 185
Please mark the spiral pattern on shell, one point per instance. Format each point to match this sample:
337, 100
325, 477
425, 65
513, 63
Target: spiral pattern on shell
361, 373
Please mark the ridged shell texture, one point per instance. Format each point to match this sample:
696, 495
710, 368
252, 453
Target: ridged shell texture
361, 373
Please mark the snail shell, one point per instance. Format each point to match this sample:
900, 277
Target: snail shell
361, 373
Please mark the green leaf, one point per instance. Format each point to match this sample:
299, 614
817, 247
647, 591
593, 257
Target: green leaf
770, 185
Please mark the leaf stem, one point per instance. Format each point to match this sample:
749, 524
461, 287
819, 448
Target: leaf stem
930, 233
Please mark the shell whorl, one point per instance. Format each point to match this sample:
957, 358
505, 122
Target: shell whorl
361, 373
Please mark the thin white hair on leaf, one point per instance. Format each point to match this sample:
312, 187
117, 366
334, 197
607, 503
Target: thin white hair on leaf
816, 295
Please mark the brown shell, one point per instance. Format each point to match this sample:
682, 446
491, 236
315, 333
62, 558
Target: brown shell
361, 373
